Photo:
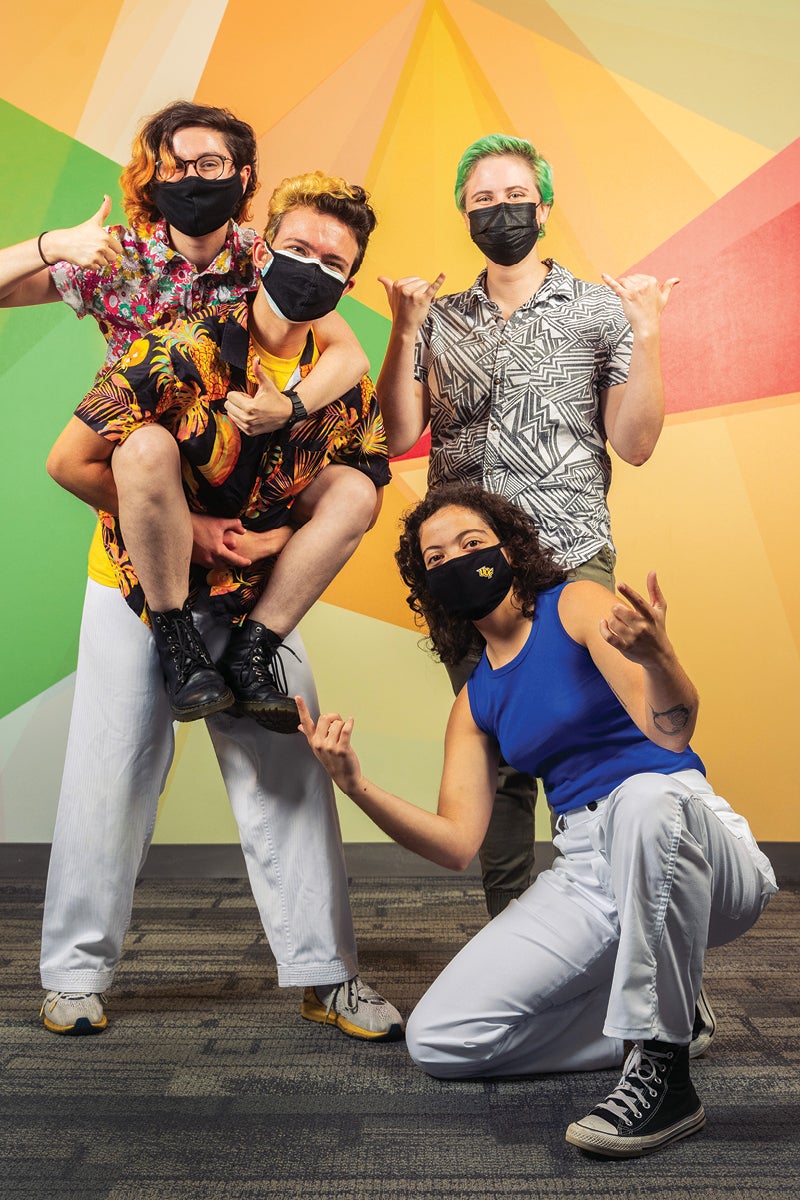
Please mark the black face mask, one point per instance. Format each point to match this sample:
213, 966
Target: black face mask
197, 206
473, 584
505, 233
300, 289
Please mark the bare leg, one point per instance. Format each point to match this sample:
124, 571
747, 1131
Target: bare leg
153, 514
338, 508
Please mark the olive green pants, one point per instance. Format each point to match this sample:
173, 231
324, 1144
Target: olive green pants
507, 851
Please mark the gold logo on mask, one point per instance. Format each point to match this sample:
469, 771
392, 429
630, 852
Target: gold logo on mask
486, 572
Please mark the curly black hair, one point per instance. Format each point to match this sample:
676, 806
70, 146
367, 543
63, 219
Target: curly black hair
533, 566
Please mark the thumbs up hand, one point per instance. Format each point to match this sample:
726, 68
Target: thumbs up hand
89, 245
264, 412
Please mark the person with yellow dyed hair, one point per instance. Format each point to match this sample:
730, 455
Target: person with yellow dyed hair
205, 412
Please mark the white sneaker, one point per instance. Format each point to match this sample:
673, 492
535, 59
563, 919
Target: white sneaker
354, 1008
74, 1012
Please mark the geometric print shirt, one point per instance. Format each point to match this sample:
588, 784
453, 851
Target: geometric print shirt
151, 284
179, 377
515, 404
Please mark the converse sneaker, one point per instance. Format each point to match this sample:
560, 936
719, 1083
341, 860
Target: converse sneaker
74, 1012
195, 687
252, 666
653, 1104
704, 1028
355, 1008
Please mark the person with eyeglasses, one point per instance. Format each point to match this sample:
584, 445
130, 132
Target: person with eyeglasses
526, 378
190, 181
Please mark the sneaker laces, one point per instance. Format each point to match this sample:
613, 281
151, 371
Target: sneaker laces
356, 993
642, 1069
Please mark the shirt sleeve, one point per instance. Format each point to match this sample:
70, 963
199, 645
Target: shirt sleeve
362, 441
422, 348
617, 346
131, 393
78, 287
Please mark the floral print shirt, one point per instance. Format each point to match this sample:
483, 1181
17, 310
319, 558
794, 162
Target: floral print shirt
180, 377
151, 284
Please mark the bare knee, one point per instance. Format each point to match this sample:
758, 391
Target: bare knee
340, 494
145, 455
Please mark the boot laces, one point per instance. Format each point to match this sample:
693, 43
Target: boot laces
187, 651
642, 1069
265, 665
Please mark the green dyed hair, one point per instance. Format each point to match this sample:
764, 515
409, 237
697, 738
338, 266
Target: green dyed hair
495, 144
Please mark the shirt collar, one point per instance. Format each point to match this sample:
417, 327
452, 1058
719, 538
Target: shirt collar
236, 347
557, 284
161, 252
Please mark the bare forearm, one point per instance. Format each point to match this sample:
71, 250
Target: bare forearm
401, 400
340, 366
91, 482
428, 834
671, 703
24, 278
641, 413
80, 461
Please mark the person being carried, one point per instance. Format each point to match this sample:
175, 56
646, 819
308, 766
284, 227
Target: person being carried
607, 946
172, 421
526, 378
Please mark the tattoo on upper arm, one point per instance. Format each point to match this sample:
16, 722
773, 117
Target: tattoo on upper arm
671, 720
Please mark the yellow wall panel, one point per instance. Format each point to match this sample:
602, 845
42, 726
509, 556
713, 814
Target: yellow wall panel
321, 132
690, 513
38, 57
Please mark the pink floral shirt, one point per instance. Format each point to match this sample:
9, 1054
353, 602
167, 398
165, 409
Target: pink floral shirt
152, 284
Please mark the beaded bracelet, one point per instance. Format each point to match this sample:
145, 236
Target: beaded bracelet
39, 248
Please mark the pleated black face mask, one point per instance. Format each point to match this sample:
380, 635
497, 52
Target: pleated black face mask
505, 233
301, 289
473, 584
196, 206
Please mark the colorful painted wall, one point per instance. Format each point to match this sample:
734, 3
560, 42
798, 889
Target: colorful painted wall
673, 131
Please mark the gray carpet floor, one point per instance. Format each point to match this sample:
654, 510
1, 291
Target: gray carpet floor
208, 1085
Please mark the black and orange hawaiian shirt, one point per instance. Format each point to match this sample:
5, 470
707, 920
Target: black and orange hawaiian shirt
179, 377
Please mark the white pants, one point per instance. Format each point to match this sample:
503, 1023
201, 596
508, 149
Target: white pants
119, 752
607, 945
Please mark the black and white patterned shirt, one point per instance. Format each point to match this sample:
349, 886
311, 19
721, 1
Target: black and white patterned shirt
515, 405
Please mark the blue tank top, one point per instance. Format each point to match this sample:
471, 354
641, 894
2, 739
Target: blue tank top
555, 717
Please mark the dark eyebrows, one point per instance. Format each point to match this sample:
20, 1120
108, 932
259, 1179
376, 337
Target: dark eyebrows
330, 260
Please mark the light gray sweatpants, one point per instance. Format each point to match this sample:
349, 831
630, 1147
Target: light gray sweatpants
607, 945
119, 751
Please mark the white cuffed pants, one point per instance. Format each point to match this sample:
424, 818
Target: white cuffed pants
607, 945
119, 751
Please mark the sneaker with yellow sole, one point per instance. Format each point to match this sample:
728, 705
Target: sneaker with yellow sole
74, 1012
355, 1008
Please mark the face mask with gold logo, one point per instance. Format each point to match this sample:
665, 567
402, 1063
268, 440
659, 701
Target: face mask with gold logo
473, 584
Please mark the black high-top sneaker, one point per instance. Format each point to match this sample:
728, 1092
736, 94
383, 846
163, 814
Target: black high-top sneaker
194, 685
653, 1104
252, 666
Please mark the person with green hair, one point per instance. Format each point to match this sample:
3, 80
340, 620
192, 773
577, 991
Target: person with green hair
526, 378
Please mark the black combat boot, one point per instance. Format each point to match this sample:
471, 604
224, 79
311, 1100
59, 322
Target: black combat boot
194, 685
252, 666
653, 1104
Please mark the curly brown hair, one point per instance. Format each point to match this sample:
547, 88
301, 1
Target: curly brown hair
153, 141
533, 566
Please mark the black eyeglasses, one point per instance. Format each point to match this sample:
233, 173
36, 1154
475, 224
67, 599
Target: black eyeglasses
208, 166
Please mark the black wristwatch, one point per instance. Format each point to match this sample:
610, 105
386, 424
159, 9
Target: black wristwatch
298, 412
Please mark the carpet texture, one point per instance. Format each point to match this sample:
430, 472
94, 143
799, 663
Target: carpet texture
208, 1085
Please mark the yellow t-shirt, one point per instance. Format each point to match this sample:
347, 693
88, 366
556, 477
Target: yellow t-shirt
281, 371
